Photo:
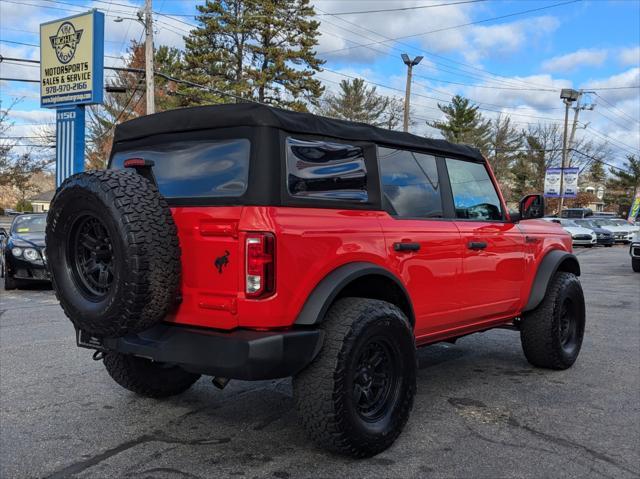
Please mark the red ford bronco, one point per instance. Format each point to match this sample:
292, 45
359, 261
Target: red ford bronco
248, 242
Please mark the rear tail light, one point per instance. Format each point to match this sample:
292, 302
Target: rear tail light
260, 265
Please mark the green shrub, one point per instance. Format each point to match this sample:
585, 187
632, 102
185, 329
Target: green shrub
24, 206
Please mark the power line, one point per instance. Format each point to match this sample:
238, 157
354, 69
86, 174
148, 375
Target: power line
417, 7
382, 85
613, 88
523, 12
489, 75
491, 87
593, 158
613, 107
19, 80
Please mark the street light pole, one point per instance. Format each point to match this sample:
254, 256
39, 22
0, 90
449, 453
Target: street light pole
407, 95
148, 57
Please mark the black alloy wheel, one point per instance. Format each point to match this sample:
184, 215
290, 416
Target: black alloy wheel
568, 326
377, 379
552, 333
356, 395
92, 260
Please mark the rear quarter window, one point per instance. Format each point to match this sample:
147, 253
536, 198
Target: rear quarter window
191, 169
318, 169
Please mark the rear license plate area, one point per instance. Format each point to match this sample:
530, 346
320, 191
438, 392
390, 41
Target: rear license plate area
89, 341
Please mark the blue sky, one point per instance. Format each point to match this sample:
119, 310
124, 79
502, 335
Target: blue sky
506, 65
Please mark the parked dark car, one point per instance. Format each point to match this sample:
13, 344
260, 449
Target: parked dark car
24, 257
604, 236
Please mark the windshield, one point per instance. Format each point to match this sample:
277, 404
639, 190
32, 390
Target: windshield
619, 222
586, 223
29, 224
603, 223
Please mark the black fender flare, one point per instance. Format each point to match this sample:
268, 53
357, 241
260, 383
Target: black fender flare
552, 262
326, 291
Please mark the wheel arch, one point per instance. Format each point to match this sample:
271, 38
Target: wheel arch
552, 262
359, 279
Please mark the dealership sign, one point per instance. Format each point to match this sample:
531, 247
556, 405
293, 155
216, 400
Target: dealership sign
72, 60
569, 182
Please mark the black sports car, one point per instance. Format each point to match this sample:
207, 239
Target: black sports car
24, 257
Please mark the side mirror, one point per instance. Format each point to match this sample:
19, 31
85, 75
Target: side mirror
531, 206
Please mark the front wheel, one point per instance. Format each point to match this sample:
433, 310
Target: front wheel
552, 334
356, 396
11, 283
635, 264
148, 378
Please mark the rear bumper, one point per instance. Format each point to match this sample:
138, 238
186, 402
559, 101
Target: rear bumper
241, 354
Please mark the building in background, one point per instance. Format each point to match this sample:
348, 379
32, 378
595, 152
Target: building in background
42, 201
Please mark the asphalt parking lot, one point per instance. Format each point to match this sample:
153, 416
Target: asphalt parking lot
481, 409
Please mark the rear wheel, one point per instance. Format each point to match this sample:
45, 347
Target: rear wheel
552, 334
356, 396
635, 264
148, 378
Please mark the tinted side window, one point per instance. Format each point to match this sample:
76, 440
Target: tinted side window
326, 170
189, 169
474, 195
410, 183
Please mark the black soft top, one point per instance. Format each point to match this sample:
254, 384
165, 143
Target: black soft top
254, 114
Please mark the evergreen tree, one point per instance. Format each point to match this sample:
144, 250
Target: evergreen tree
120, 106
522, 174
504, 143
356, 102
597, 172
261, 50
216, 50
464, 124
624, 184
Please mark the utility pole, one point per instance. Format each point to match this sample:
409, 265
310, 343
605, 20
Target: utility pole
568, 96
148, 57
407, 96
579, 106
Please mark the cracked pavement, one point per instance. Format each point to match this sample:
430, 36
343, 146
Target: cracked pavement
481, 410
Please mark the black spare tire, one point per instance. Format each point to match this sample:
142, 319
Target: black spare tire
113, 252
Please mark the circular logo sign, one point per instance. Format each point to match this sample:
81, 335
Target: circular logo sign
65, 42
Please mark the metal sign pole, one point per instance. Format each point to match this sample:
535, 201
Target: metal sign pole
69, 142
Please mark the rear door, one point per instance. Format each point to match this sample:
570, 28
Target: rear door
425, 249
494, 249
203, 180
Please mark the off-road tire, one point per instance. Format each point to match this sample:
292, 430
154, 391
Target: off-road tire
139, 239
324, 391
147, 378
635, 264
541, 329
